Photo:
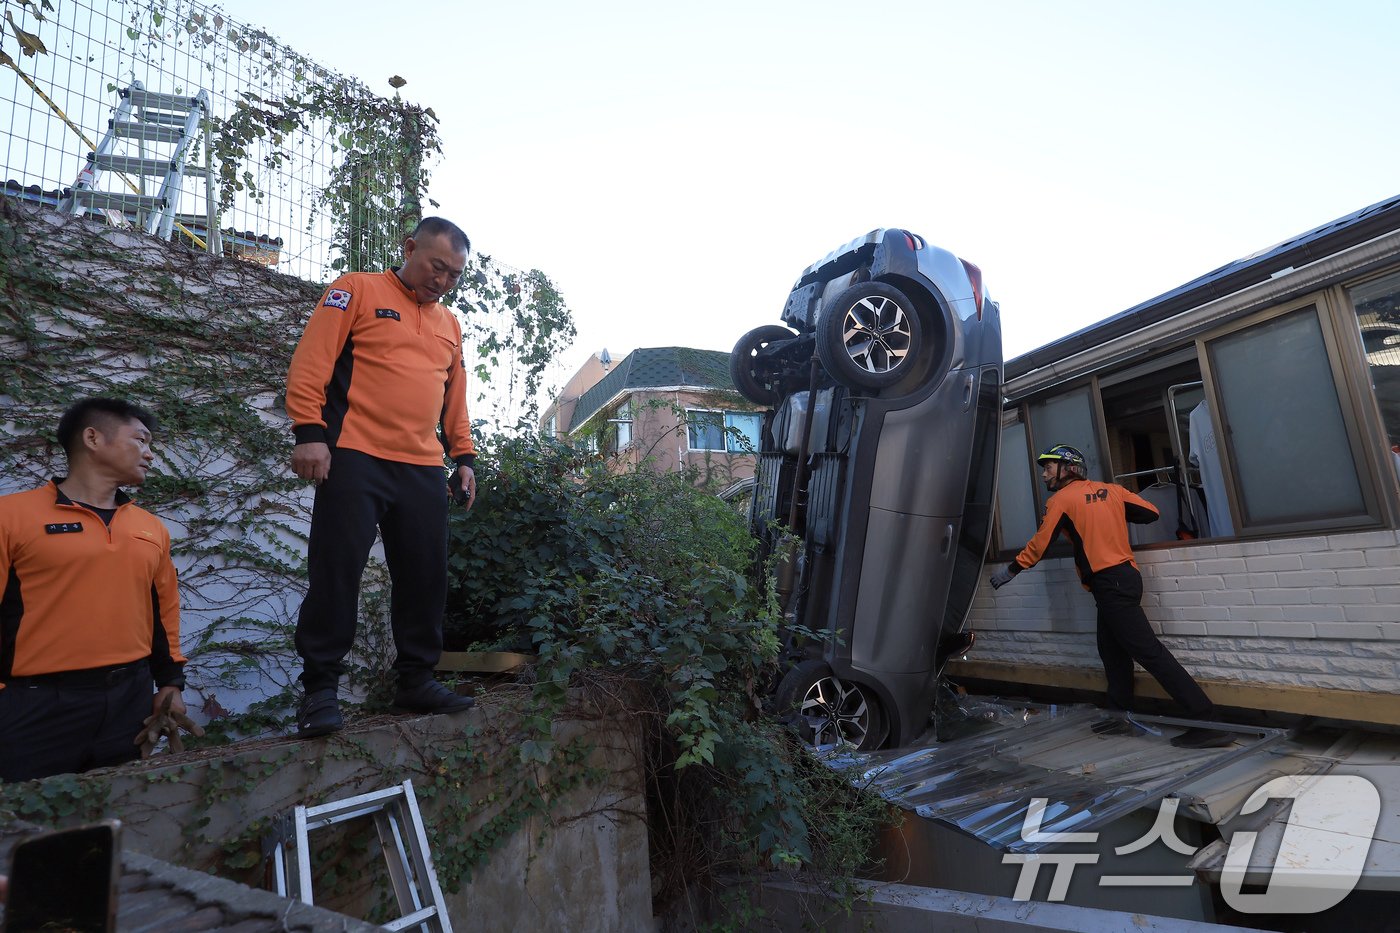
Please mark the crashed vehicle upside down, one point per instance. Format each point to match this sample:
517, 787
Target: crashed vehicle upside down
877, 467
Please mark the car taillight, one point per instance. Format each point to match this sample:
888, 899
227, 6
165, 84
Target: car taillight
974, 275
913, 241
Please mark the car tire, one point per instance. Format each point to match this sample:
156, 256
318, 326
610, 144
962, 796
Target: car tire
829, 710
869, 336
754, 383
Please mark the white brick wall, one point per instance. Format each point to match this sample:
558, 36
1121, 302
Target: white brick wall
1320, 611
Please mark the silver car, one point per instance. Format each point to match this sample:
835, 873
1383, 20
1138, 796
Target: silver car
875, 478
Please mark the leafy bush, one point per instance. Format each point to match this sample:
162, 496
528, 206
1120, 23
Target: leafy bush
644, 577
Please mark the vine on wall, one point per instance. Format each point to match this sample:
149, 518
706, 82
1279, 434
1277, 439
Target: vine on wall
89, 309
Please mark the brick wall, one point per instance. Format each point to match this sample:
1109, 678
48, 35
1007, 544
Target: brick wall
1321, 611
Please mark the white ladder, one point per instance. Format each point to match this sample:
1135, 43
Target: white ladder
143, 118
401, 836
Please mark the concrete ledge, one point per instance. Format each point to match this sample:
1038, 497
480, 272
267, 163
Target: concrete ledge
899, 908
1346, 705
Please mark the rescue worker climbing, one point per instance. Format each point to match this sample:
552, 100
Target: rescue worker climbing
1094, 517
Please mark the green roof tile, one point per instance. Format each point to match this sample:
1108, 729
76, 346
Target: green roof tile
654, 367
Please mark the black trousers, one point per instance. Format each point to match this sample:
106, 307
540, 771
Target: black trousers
408, 505
48, 728
1125, 636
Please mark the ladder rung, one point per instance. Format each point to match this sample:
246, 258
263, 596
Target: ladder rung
150, 132
103, 200
132, 165
165, 119
158, 101
413, 919
336, 808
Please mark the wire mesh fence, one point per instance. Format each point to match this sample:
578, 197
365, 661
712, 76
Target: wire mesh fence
308, 171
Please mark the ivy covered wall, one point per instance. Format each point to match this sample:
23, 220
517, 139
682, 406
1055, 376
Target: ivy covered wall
89, 309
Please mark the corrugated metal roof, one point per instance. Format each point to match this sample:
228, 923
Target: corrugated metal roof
1373, 757
654, 367
986, 784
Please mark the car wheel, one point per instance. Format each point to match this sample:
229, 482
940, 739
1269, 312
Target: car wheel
829, 710
754, 380
869, 336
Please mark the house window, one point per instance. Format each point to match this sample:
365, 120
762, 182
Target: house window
620, 427
1068, 419
742, 438
1016, 485
1377, 307
551, 426
1281, 424
732, 431
704, 429
1159, 446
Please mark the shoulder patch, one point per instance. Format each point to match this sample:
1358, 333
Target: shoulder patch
337, 298
387, 312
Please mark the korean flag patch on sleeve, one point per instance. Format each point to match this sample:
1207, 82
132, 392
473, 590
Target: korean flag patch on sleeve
337, 298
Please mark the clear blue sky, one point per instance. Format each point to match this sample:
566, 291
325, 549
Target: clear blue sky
673, 169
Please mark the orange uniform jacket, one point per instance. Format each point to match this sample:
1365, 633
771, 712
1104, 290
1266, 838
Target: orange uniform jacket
1094, 517
82, 594
377, 372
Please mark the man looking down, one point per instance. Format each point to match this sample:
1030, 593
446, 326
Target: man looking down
377, 371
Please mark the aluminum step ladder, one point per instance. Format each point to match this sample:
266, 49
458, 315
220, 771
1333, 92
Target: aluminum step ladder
401, 836
149, 136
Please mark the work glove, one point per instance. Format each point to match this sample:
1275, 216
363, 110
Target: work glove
1001, 578
168, 724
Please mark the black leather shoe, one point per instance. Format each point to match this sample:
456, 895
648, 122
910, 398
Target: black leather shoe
431, 697
1198, 737
319, 714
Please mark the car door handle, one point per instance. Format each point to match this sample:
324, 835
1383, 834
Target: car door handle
947, 539
967, 390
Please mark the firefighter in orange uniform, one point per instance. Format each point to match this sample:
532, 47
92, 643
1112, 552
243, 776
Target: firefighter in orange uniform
1094, 517
378, 370
90, 615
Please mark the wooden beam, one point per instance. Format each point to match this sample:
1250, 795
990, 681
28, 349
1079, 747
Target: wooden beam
482, 662
1348, 705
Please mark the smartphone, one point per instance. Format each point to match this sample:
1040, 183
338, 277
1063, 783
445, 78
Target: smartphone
454, 485
65, 880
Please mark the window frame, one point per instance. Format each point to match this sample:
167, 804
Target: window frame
1324, 303
615, 427
690, 424
1363, 392
730, 440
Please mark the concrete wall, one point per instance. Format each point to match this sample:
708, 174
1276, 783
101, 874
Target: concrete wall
582, 865
1320, 611
898, 908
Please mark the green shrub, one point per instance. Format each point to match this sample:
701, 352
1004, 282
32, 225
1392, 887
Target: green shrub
644, 577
